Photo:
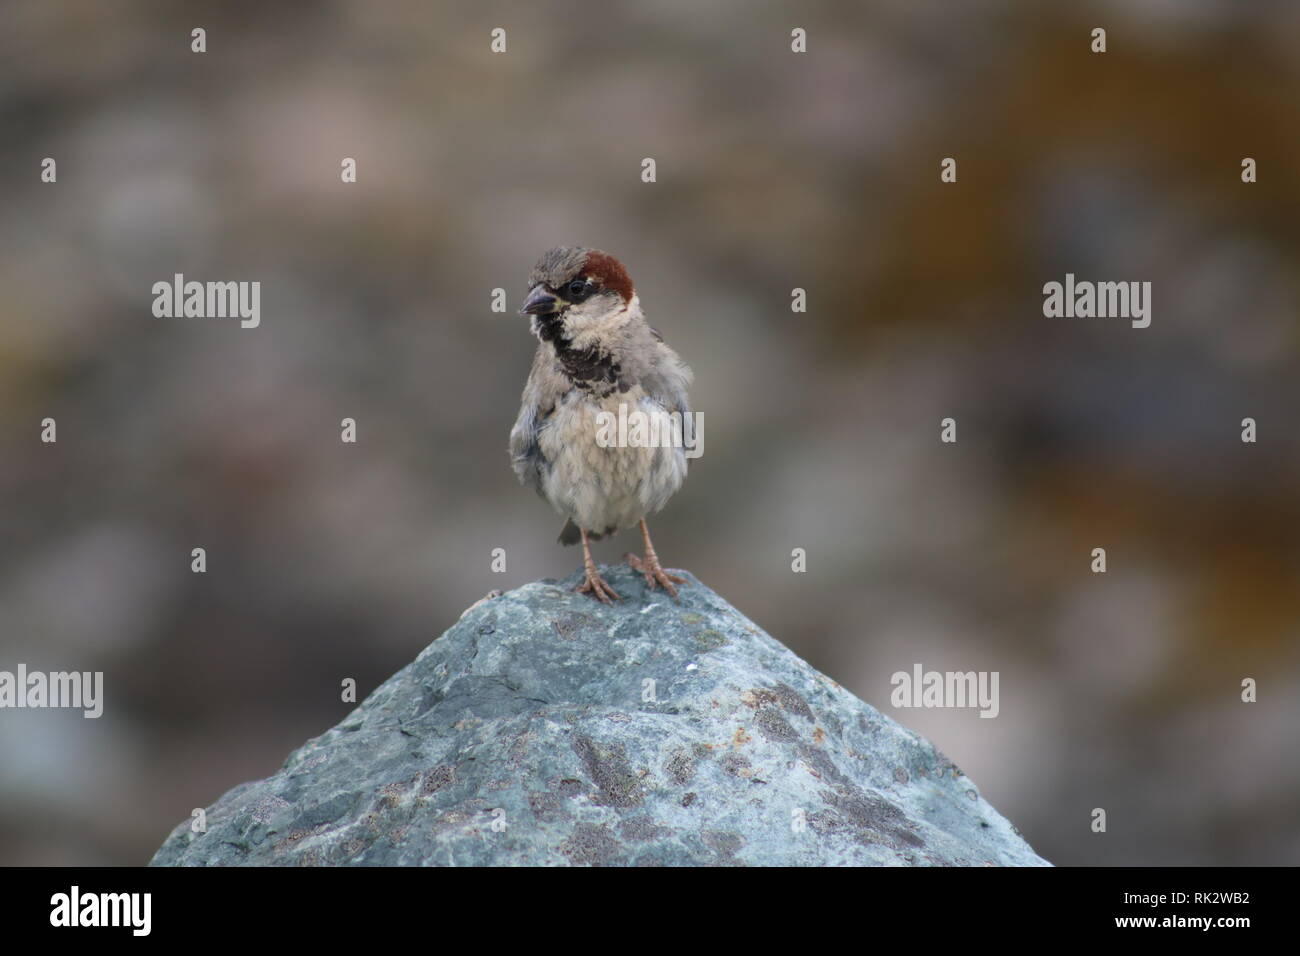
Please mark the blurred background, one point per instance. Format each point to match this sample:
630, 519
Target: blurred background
775, 170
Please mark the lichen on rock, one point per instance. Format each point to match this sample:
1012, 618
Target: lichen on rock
545, 729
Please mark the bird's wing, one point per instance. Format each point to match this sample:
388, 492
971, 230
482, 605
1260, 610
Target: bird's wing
666, 377
542, 392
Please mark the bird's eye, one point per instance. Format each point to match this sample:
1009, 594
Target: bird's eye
578, 289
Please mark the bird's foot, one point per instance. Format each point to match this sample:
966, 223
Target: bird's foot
654, 573
597, 587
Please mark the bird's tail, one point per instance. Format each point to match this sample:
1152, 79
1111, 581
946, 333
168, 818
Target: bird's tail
570, 534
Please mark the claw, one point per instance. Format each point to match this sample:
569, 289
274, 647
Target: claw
594, 585
653, 573
598, 588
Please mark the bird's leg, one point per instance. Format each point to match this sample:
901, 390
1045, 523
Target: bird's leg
594, 585
650, 567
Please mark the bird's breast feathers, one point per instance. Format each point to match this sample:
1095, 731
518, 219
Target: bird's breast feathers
610, 460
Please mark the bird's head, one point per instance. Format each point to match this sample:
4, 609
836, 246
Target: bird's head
577, 291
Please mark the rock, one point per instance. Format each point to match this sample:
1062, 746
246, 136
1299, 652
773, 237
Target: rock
544, 728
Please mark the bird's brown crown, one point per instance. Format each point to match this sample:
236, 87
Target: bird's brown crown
561, 265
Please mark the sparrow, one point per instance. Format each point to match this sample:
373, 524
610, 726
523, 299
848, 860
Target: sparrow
595, 353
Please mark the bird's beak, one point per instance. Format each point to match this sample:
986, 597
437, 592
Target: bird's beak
539, 302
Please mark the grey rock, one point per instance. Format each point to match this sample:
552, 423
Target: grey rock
528, 734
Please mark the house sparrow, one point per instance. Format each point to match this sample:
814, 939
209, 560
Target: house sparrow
595, 352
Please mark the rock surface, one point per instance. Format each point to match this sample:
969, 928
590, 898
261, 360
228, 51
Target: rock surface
546, 729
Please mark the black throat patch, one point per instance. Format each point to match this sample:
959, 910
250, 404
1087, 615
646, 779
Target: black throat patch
592, 370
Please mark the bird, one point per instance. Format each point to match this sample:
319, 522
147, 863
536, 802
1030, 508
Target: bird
595, 354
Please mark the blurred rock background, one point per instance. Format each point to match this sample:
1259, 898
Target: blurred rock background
775, 170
